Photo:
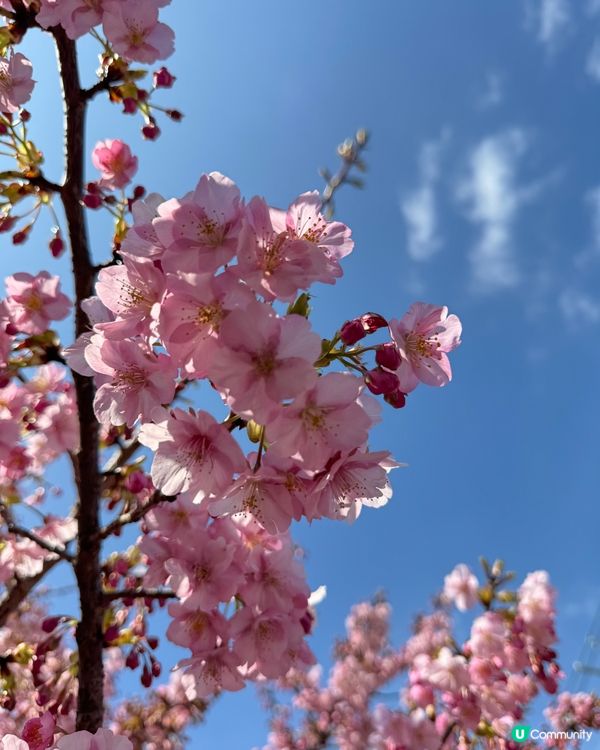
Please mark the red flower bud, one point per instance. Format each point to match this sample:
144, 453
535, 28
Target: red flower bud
381, 381
132, 661
396, 398
152, 641
151, 132
175, 115
388, 356
56, 246
351, 332
139, 191
50, 624
372, 321
129, 106
92, 201
163, 78
19, 237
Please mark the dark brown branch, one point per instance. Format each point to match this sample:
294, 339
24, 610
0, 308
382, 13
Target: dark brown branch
90, 695
17, 530
19, 589
135, 515
139, 594
37, 180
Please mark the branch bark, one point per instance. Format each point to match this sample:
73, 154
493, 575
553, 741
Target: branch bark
90, 697
20, 588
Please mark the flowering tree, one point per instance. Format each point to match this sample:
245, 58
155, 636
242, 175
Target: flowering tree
447, 694
206, 288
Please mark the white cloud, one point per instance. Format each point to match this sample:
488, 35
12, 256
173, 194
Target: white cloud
592, 65
592, 199
493, 199
419, 207
493, 93
549, 19
577, 306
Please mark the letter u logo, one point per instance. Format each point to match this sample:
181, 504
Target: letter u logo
520, 733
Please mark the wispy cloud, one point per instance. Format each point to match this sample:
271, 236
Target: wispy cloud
578, 306
592, 64
493, 199
549, 19
493, 93
592, 199
419, 207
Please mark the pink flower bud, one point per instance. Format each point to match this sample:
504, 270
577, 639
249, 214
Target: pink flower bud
50, 624
352, 331
381, 381
388, 356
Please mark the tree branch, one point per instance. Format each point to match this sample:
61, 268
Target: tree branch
135, 515
20, 588
17, 530
139, 594
37, 180
90, 695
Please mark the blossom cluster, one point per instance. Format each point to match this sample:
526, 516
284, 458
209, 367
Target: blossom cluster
452, 694
242, 604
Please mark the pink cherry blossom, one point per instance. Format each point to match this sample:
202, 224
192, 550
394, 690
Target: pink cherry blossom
204, 574
103, 739
16, 82
34, 301
461, 587
196, 629
115, 162
423, 337
77, 17
141, 239
351, 481
134, 31
191, 313
263, 640
200, 232
305, 221
263, 359
12, 742
130, 291
273, 262
194, 453
206, 676
262, 495
39, 733
133, 380
321, 421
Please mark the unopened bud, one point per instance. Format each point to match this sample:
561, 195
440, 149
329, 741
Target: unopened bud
388, 356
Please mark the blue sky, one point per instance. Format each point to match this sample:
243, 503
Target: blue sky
483, 193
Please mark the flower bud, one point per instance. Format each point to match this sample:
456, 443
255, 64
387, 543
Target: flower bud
163, 78
381, 381
92, 201
388, 356
372, 321
151, 131
129, 106
352, 331
396, 399
57, 246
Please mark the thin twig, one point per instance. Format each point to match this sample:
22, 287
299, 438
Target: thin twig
21, 587
40, 541
37, 180
350, 152
135, 515
139, 594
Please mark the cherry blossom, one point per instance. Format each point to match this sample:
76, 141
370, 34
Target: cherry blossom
423, 337
34, 301
134, 30
461, 587
115, 162
263, 359
200, 232
77, 17
194, 453
103, 739
16, 82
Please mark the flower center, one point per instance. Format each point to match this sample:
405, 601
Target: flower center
264, 363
